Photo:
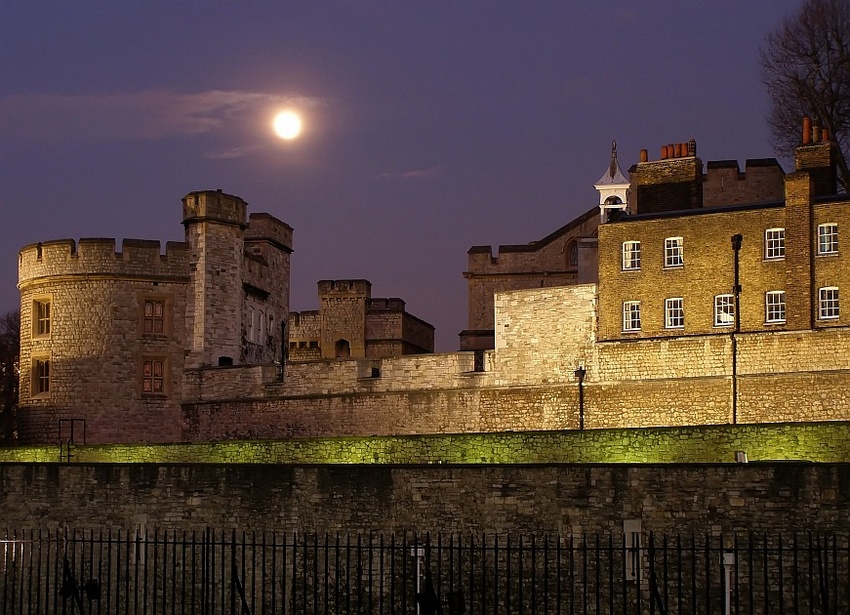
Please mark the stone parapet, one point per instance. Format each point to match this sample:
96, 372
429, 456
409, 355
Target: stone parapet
92, 257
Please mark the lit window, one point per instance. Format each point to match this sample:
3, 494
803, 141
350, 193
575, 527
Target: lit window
631, 316
41, 375
828, 238
774, 302
724, 310
41, 317
674, 313
154, 316
774, 243
673, 252
153, 376
631, 255
828, 302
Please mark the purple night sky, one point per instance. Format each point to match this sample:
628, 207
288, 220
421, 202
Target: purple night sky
429, 126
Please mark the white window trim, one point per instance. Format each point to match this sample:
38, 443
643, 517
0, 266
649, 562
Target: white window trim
720, 316
822, 303
824, 226
628, 312
767, 306
773, 245
633, 248
674, 247
668, 312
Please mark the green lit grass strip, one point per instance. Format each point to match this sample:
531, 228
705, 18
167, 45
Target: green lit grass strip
817, 442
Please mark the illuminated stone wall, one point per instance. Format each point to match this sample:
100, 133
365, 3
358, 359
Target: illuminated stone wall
98, 346
568, 499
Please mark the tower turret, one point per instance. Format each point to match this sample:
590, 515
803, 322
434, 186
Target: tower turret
215, 223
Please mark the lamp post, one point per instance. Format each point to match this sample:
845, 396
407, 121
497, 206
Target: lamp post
737, 239
580, 373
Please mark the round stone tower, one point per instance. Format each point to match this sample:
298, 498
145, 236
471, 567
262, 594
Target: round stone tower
101, 340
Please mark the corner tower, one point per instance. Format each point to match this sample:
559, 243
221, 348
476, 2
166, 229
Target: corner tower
215, 224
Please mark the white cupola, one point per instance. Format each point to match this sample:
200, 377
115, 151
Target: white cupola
613, 188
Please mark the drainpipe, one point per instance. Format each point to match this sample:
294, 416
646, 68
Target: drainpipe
282, 367
580, 373
736, 290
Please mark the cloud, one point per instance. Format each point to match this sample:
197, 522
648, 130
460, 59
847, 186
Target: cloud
413, 174
144, 115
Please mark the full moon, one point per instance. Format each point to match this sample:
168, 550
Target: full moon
287, 125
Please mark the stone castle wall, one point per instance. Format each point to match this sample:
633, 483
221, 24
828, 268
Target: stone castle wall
567, 499
529, 382
724, 183
516, 267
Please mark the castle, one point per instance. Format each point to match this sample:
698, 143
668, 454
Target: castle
685, 298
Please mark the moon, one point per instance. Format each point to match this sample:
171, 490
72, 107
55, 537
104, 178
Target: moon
287, 125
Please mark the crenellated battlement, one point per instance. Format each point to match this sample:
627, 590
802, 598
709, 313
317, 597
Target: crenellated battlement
265, 227
98, 256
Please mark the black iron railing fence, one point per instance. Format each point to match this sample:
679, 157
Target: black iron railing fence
227, 572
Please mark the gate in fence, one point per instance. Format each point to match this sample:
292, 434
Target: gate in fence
248, 573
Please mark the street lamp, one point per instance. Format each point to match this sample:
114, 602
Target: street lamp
580, 373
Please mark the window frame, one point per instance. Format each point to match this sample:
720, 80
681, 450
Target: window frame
774, 244
630, 310
674, 313
826, 306
674, 254
771, 307
153, 318
721, 302
40, 375
162, 378
831, 235
632, 249
42, 324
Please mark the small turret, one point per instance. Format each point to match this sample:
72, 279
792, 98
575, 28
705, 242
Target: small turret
613, 188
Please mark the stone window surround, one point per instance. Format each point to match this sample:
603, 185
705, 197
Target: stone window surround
40, 374
828, 238
774, 244
828, 306
42, 316
724, 310
774, 307
673, 253
631, 316
674, 313
631, 256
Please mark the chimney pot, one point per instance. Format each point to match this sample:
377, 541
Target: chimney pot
825, 135
677, 150
663, 152
807, 130
644, 155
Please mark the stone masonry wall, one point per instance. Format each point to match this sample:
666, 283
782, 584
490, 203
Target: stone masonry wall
568, 499
530, 382
724, 184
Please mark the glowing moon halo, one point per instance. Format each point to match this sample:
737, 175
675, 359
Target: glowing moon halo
287, 125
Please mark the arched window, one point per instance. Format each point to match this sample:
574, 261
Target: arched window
572, 254
343, 349
613, 200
